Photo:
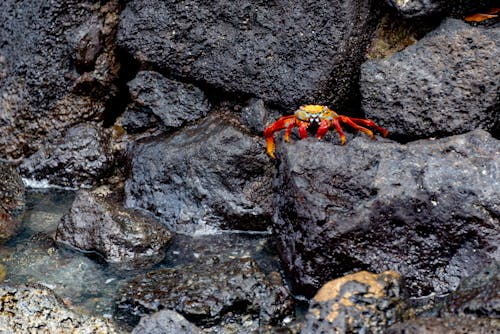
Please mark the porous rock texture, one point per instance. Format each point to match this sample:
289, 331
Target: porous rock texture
286, 52
11, 200
173, 103
57, 69
26, 309
473, 308
97, 222
447, 83
82, 158
208, 293
165, 321
428, 210
429, 8
211, 175
358, 303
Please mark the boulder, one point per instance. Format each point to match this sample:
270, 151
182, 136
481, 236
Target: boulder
287, 52
165, 321
210, 176
27, 309
97, 222
432, 8
82, 158
447, 83
172, 102
208, 293
428, 210
358, 303
58, 68
473, 308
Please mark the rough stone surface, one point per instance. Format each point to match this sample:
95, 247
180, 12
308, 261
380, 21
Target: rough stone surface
448, 83
211, 175
477, 295
57, 69
428, 210
255, 115
358, 303
452, 325
165, 321
173, 102
25, 309
286, 52
11, 189
208, 293
81, 159
125, 237
11, 200
427, 8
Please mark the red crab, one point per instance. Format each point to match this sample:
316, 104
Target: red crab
320, 115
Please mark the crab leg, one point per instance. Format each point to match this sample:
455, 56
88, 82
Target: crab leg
370, 123
303, 129
284, 122
288, 131
322, 129
347, 120
338, 128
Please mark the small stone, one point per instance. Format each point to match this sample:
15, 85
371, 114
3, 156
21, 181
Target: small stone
357, 303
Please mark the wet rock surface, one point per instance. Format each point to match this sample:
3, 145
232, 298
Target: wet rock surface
165, 321
454, 325
208, 293
212, 175
358, 303
26, 309
428, 8
97, 222
172, 102
428, 210
477, 296
448, 83
53, 59
81, 159
287, 52
472, 308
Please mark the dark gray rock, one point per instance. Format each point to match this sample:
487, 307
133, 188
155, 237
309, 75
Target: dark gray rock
43, 51
11, 189
358, 303
477, 295
11, 200
448, 83
26, 309
81, 159
452, 325
428, 8
208, 293
286, 52
165, 321
473, 308
98, 222
255, 115
173, 102
212, 175
428, 210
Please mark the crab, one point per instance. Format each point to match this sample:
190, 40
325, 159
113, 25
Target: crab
321, 116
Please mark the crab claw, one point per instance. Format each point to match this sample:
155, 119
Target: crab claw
287, 122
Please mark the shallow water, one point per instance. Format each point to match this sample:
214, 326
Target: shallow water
85, 282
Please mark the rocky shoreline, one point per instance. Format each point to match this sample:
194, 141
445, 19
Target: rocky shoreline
153, 112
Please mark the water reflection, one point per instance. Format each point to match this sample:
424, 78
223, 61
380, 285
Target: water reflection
83, 281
